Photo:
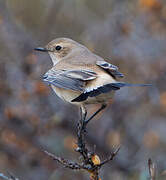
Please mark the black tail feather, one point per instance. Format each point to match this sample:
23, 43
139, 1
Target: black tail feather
105, 89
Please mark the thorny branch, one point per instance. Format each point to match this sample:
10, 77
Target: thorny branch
66, 163
90, 161
111, 157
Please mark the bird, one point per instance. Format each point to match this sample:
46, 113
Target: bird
80, 77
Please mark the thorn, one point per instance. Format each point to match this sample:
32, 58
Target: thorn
113, 154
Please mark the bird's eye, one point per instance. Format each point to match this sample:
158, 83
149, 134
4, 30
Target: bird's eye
58, 48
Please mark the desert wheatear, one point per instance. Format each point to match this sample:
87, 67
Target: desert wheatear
79, 76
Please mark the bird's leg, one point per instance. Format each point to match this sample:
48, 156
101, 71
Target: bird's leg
100, 109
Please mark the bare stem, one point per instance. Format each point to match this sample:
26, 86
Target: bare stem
90, 161
152, 170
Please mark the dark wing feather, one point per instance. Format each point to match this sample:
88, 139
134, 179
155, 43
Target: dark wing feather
73, 80
110, 68
103, 89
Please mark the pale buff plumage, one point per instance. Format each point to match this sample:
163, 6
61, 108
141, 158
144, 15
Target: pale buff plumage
79, 76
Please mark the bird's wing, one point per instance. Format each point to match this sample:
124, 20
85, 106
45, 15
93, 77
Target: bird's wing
110, 68
69, 79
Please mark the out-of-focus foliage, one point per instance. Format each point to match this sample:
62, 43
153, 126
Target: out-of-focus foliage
130, 34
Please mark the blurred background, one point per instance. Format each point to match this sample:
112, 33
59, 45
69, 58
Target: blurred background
130, 34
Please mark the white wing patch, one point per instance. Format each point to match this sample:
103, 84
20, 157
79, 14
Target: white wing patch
100, 81
89, 89
112, 69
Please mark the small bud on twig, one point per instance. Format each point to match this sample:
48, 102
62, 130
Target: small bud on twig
95, 159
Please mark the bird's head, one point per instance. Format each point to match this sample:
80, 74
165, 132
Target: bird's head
60, 48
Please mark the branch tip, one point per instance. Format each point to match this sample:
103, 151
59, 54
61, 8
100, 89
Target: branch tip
152, 169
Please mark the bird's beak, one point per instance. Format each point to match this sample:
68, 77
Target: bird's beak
41, 49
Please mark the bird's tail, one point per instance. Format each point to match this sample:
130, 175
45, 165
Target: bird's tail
105, 89
123, 84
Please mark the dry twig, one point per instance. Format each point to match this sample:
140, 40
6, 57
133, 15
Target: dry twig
152, 170
90, 161
11, 176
